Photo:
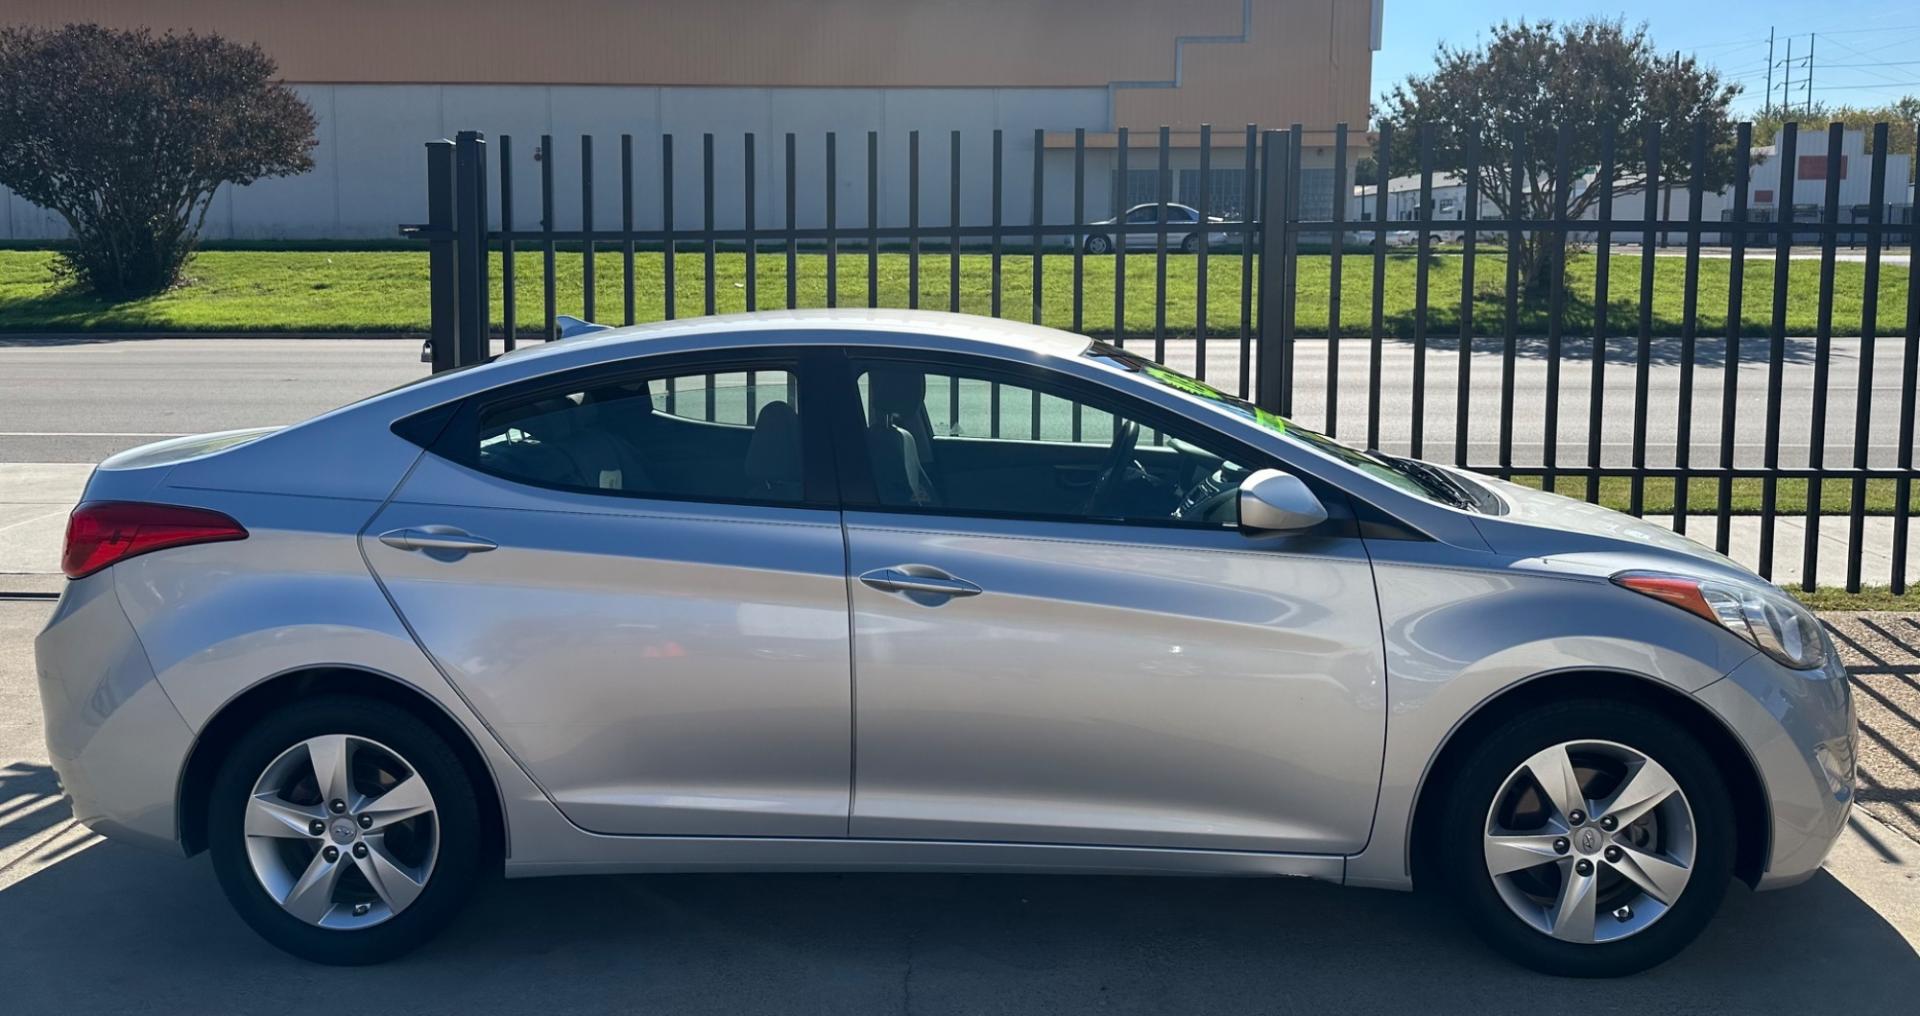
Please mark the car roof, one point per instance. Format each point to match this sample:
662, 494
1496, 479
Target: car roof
855, 325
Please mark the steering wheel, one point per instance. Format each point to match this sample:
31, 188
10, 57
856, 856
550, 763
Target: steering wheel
1126, 434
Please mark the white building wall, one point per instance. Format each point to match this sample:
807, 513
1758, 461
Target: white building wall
370, 166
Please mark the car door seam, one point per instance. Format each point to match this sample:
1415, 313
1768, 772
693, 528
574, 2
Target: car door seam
360, 546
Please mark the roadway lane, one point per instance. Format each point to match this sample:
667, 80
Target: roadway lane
77, 401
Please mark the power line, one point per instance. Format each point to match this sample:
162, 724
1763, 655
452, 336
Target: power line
1890, 85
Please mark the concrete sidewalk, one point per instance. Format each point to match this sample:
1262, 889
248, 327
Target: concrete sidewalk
36, 496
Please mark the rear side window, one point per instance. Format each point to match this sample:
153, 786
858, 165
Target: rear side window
731, 435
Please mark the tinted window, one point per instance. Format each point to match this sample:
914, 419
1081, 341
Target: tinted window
981, 443
1143, 214
732, 435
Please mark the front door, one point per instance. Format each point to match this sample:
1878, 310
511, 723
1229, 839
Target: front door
1061, 636
637, 584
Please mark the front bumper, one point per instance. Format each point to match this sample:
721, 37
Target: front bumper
1800, 729
117, 742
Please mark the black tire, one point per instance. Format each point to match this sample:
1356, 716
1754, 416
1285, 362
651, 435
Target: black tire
1191, 244
1462, 869
1099, 245
456, 869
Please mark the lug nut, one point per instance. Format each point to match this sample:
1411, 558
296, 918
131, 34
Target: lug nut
359, 850
316, 827
332, 854
1561, 846
337, 806
360, 909
366, 821
1614, 854
1624, 913
1583, 867
1577, 816
1609, 823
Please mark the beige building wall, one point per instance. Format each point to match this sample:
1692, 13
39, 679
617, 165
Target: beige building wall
1177, 62
383, 76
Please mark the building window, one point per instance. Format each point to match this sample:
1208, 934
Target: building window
1142, 188
1316, 194
1226, 191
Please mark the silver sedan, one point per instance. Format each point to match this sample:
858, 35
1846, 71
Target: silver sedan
1143, 230
905, 591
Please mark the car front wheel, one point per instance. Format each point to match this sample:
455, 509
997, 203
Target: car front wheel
344, 830
1588, 839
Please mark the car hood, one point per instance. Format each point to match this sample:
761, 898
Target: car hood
1544, 525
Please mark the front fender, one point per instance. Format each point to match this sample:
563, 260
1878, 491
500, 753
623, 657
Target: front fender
1459, 637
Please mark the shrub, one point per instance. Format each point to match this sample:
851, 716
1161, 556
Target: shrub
128, 134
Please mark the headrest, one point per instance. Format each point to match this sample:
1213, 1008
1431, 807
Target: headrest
773, 454
897, 392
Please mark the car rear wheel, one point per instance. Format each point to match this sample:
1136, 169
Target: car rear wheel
344, 830
1099, 245
1190, 244
1588, 839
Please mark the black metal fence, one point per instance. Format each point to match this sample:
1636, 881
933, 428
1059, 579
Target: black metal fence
1270, 248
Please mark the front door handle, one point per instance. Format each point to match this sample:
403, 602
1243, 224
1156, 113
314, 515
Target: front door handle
440, 538
919, 581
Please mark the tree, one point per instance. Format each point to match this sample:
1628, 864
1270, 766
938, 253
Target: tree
1521, 88
127, 134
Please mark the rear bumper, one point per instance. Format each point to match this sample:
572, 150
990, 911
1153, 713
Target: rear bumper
1801, 732
116, 740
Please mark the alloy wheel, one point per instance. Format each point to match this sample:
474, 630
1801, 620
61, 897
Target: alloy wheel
341, 831
1590, 841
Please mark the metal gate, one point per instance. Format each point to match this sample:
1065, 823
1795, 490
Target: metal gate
1864, 484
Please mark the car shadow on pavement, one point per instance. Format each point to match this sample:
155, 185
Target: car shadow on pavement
113, 928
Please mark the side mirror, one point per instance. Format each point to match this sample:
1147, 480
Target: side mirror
1275, 502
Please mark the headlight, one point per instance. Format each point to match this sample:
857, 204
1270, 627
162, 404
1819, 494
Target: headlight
1763, 616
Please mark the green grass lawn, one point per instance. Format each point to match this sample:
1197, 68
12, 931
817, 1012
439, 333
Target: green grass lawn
1790, 497
1868, 598
386, 291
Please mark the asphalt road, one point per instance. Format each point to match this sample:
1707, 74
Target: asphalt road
80, 399
96, 927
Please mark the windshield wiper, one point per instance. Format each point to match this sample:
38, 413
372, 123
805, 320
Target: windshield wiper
1437, 481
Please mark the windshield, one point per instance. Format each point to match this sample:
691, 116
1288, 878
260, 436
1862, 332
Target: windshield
1409, 475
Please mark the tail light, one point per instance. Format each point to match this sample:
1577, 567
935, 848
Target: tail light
101, 533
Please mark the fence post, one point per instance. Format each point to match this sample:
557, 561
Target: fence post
1274, 251
442, 278
470, 225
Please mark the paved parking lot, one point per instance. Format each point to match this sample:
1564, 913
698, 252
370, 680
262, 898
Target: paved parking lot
96, 927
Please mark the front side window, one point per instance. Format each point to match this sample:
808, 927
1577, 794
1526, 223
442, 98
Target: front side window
1409, 475
724, 435
968, 441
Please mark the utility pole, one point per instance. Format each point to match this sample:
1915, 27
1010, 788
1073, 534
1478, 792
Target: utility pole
1811, 39
1786, 87
1769, 110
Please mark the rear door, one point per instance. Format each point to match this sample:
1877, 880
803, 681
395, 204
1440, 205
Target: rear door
636, 576
1059, 638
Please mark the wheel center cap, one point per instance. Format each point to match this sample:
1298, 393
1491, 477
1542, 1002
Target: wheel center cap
1589, 840
342, 831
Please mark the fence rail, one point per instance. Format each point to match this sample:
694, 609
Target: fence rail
1269, 244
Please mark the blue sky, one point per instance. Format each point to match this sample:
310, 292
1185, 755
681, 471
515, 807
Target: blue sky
1867, 51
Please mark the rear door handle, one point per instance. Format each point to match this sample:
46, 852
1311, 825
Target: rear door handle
442, 538
918, 578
